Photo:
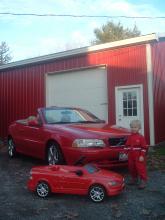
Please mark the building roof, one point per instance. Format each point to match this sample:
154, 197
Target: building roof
122, 43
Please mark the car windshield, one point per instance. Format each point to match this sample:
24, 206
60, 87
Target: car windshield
67, 115
90, 168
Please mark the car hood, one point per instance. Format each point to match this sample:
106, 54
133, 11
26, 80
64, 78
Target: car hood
91, 130
109, 175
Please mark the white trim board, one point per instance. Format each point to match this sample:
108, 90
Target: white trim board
150, 93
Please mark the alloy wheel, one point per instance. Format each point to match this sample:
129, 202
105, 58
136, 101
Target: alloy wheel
97, 193
53, 155
43, 190
11, 148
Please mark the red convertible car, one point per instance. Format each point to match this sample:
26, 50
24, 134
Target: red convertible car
83, 180
62, 135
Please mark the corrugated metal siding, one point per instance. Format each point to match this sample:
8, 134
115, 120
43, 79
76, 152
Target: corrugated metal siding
158, 59
22, 90
127, 66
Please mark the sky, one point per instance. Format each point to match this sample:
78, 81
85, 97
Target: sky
32, 36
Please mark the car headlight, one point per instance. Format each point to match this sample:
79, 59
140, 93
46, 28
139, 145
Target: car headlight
113, 183
88, 143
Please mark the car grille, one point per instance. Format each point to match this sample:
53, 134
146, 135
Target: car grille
117, 141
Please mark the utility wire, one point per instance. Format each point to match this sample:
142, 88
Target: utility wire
81, 16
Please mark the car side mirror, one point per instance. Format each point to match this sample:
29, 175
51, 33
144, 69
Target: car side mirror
79, 172
33, 123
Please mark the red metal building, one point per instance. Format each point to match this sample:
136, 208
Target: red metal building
117, 81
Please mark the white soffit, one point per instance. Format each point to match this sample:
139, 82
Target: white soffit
84, 50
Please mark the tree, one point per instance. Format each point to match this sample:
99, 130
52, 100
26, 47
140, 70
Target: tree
5, 56
113, 32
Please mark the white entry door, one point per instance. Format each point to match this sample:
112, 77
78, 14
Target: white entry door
129, 105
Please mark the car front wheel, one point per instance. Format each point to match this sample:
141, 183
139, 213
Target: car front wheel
11, 148
54, 155
43, 189
97, 193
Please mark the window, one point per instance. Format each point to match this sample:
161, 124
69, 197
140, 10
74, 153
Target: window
130, 103
64, 115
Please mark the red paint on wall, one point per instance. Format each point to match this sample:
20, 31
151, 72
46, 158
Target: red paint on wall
126, 66
158, 60
22, 89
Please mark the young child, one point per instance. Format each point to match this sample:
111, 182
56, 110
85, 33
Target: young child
137, 150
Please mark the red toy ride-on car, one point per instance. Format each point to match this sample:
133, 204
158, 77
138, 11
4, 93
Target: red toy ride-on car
81, 180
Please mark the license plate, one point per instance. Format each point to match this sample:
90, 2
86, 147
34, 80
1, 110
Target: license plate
123, 156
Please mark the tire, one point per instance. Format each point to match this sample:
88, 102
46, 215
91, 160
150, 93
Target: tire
54, 154
97, 193
11, 148
43, 189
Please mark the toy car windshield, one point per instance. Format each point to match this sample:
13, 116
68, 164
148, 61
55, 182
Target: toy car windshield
91, 168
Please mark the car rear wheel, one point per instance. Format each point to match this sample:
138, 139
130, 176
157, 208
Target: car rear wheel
11, 148
54, 155
97, 193
43, 189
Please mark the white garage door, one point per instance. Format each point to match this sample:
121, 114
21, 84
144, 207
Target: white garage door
86, 89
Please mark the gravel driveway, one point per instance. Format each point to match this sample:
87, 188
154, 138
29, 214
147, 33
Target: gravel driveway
16, 202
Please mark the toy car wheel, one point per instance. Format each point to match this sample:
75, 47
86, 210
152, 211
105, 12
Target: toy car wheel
97, 193
11, 148
54, 155
43, 189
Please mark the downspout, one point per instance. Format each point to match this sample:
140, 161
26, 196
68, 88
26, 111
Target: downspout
150, 94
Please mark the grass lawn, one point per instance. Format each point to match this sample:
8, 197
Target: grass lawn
156, 159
